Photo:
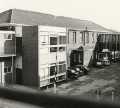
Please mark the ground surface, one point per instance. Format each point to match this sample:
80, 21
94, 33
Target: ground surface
106, 80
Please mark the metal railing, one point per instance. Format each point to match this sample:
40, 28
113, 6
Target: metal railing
36, 97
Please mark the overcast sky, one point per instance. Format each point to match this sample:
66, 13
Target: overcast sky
103, 12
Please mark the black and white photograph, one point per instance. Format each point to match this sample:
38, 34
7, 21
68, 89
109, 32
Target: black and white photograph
59, 53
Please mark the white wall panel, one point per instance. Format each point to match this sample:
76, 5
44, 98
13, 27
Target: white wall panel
61, 56
52, 58
44, 59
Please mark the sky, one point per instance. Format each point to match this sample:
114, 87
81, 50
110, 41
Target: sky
103, 12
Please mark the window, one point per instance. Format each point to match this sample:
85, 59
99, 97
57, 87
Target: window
61, 49
74, 37
7, 69
81, 37
53, 49
87, 37
52, 70
93, 38
62, 39
68, 37
53, 40
62, 67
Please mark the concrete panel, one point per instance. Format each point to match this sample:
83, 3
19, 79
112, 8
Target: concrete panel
30, 56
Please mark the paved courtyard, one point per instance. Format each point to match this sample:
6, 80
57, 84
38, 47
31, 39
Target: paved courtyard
106, 80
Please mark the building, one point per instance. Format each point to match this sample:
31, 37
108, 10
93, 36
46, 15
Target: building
32, 45
44, 55
110, 41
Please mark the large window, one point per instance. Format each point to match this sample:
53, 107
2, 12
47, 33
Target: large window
87, 37
7, 67
52, 70
61, 49
59, 68
62, 67
93, 37
81, 37
53, 40
53, 49
74, 37
62, 39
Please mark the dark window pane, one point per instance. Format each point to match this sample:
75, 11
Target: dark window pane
62, 62
53, 49
5, 70
52, 70
62, 49
9, 69
60, 69
74, 37
62, 39
64, 67
53, 40
87, 37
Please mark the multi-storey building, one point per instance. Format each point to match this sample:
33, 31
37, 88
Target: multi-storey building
42, 53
